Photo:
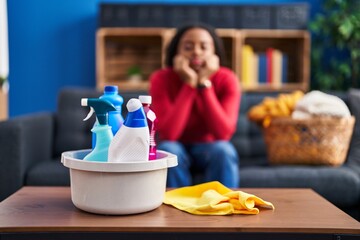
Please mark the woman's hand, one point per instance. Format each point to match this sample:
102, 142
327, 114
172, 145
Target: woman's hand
211, 65
187, 74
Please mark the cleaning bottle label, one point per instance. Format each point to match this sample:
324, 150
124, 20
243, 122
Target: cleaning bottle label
131, 142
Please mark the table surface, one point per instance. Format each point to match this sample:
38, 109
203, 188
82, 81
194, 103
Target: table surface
50, 209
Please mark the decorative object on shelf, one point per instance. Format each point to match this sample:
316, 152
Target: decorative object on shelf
3, 81
134, 74
335, 55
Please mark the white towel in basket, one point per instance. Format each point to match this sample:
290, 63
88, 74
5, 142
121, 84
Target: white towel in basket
317, 103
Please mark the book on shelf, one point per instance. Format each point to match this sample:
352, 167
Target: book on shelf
276, 67
284, 68
263, 68
269, 63
249, 67
255, 79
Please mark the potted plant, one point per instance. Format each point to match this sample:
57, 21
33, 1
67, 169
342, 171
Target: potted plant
2, 81
134, 73
335, 55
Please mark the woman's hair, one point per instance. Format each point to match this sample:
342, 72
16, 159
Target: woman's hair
173, 45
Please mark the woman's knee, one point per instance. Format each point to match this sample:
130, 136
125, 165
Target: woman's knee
177, 149
224, 148
171, 146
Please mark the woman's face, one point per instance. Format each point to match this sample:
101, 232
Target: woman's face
196, 45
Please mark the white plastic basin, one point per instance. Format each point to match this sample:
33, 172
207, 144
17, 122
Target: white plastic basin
117, 188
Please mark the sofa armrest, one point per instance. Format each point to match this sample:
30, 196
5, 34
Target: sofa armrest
24, 141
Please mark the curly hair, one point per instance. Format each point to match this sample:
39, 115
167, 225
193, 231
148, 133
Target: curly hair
173, 45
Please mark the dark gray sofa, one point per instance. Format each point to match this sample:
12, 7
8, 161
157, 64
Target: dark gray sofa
30, 149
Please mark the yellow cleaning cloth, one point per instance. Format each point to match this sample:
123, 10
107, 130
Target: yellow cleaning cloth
213, 198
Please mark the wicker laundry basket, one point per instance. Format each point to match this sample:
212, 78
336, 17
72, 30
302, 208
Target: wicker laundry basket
316, 141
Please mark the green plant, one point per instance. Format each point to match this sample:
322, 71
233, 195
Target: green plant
2, 81
335, 55
134, 70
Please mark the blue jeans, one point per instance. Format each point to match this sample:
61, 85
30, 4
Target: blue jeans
218, 161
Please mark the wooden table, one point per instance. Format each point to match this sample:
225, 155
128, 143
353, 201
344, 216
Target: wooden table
48, 213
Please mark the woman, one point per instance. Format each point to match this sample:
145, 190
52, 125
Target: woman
196, 101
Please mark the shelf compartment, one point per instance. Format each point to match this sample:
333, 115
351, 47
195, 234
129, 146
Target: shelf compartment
293, 43
121, 49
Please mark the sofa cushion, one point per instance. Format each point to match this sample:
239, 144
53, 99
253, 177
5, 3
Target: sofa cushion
48, 173
354, 151
340, 185
248, 138
71, 132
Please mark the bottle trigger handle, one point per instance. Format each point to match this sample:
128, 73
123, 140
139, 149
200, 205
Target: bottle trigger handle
89, 114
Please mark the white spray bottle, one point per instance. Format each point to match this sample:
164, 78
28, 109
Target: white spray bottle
131, 142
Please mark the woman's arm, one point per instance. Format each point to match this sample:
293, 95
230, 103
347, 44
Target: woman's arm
222, 110
172, 110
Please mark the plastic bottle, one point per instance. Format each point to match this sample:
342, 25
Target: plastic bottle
151, 120
115, 118
102, 130
131, 142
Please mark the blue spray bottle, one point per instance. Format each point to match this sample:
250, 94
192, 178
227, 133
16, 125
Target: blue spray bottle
102, 130
115, 119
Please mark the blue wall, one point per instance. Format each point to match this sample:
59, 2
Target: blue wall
52, 45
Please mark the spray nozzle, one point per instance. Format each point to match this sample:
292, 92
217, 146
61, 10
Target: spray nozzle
100, 106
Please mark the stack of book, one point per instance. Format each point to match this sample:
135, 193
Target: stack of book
267, 68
